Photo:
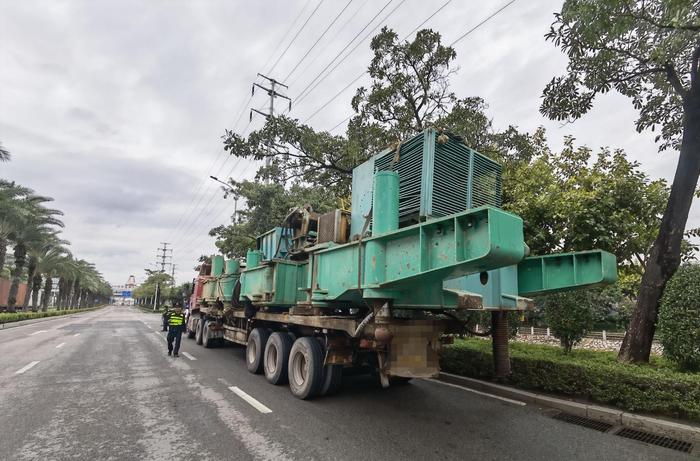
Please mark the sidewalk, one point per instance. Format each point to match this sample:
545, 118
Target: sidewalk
686, 431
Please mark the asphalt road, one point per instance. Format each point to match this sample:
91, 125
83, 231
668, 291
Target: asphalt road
100, 386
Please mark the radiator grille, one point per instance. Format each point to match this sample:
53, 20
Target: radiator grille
409, 167
459, 178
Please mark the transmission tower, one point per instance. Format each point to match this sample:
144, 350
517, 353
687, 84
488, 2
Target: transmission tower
163, 256
272, 93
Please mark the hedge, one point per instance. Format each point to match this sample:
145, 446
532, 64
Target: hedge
657, 388
9, 317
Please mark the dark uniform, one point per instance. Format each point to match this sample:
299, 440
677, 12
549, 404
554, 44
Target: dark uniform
176, 325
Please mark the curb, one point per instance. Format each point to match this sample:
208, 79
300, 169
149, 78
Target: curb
604, 414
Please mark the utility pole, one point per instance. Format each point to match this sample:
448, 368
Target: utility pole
272, 92
162, 258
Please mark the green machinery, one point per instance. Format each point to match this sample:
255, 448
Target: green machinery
426, 237
437, 241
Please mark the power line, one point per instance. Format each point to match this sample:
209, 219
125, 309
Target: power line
295, 37
318, 40
189, 209
302, 94
484, 21
332, 40
477, 26
286, 34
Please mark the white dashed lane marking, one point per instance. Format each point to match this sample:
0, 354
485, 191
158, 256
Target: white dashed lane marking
254, 403
77, 334
189, 356
26, 367
37, 332
60, 345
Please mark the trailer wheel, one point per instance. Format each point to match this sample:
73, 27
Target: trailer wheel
332, 379
198, 330
305, 368
207, 340
190, 333
277, 357
256, 349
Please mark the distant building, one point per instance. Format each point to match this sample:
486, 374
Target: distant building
122, 294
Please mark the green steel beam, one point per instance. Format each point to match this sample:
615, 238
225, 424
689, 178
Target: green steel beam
539, 275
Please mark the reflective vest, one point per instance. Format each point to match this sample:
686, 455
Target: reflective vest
175, 320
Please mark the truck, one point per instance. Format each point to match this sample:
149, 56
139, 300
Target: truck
382, 287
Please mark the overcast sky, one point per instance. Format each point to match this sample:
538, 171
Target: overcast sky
115, 108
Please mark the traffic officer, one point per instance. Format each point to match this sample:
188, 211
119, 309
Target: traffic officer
176, 325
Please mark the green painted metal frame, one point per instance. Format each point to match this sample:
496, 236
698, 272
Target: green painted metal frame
411, 263
566, 271
275, 283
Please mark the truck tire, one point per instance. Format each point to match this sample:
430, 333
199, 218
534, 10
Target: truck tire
190, 333
305, 368
198, 331
277, 357
207, 340
332, 379
256, 349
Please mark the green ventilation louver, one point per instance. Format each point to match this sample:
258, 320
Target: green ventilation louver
435, 179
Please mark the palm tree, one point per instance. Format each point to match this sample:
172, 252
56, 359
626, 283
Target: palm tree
35, 227
52, 267
43, 259
12, 213
4, 154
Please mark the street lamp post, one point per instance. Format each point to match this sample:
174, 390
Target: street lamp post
235, 197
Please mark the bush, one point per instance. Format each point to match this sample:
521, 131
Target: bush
597, 376
9, 317
679, 318
569, 315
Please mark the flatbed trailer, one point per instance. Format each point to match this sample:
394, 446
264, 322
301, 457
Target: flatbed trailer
385, 286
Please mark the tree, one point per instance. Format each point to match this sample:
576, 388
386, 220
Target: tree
410, 87
37, 225
12, 212
267, 206
650, 52
570, 315
4, 154
48, 264
38, 250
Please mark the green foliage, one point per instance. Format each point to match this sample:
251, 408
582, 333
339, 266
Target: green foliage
572, 201
5, 155
154, 279
679, 318
641, 49
297, 154
410, 87
268, 205
9, 317
570, 315
597, 376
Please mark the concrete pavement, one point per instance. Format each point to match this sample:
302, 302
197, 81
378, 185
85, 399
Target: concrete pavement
100, 386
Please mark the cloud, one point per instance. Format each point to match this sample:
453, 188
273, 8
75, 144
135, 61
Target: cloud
116, 108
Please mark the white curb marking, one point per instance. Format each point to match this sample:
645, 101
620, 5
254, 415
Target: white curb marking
60, 345
37, 332
26, 367
498, 397
254, 403
189, 356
